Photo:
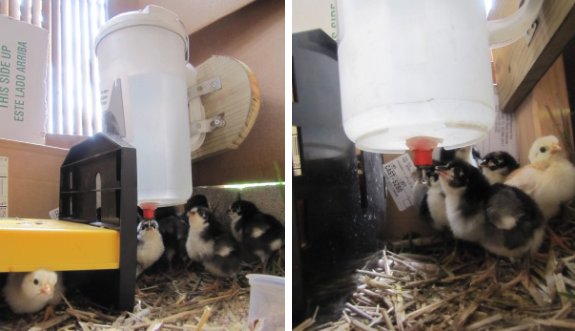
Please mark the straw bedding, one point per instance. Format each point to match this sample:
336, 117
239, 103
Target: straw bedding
434, 283
171, 300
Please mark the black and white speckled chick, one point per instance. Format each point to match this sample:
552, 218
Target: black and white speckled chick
150, 245
259, 234
209, 244
502, 219
496, 166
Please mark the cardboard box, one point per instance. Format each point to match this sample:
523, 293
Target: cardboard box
317, 14
23, 89
29, 179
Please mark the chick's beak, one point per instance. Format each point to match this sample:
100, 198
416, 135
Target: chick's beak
46, 289
556, 148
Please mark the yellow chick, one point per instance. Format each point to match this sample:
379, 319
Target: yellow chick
32, 291
549, 178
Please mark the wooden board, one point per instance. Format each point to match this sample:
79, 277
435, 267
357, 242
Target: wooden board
29, 244
545, 111
520, 65
238, 99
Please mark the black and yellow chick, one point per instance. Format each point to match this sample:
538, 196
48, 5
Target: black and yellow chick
196, 200
432, 208
174, 231
502, 219
209, 244
466, 194
496, 166
259, 234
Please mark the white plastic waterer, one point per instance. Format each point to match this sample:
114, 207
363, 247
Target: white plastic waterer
415, 74
144, 75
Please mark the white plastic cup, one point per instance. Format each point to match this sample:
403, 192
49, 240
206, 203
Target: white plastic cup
146, 50
267, 304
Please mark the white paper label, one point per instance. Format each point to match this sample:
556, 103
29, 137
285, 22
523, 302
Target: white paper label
296, 153
54, 213
503, 136
399, 180
3, 186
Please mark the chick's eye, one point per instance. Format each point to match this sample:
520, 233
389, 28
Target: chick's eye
543, 149
36, 281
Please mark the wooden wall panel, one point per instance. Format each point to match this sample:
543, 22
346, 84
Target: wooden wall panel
545, 111
256, 36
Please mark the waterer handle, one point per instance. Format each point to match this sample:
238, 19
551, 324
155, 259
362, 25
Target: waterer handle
194, 105
503, 32
186, 42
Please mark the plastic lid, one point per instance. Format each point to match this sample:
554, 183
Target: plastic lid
149, 214
422, 157
148, 210
422, 149
151, 15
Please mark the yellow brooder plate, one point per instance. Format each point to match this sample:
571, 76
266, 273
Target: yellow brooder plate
29, 244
